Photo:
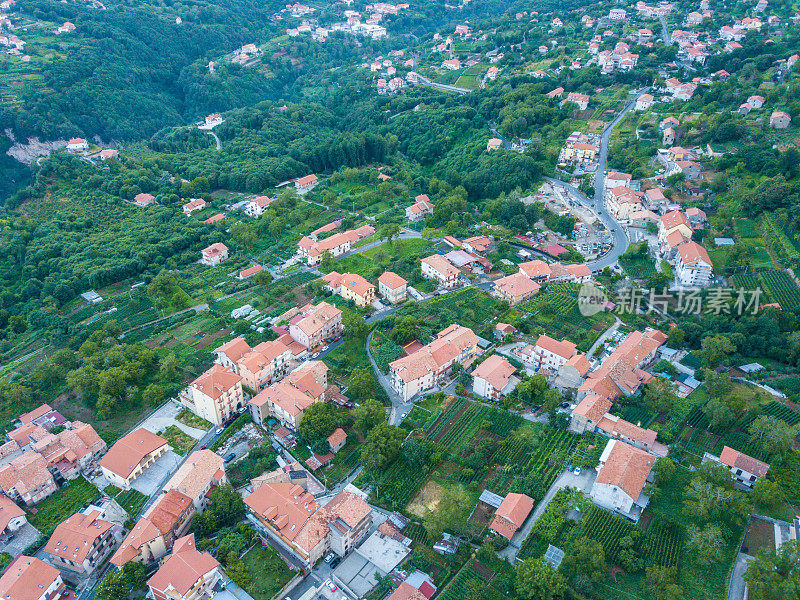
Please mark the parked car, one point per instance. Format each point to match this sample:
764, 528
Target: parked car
330, 585
219, 431
329, 557
230, 457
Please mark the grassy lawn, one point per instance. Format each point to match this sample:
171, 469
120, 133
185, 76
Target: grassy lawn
132, 501
468, 82
187, 417
64, 503
269, 572
180, 442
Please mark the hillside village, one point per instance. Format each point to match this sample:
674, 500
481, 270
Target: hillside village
557, 360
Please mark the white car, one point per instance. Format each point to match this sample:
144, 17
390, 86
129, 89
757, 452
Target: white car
330, 585
219, 431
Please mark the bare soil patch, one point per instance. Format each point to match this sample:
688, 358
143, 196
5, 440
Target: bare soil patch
426, 500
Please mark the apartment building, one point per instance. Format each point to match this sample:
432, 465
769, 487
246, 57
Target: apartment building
552, 354
306, 528
392, 287
350, 286
131, 456
200, 472
27, 479
217, 394
283, 401
315, 325
28, 578
425, 368
515, 288
335, 245
693, 266
439, 268
156, 531
81, 542
494, 378
186, 575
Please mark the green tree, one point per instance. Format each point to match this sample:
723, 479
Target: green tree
715, 350
362, 383
775, 575
381, 446
766, 492
659, 395
227, 505
537, 580
772, 434
134, 575
707, 542
450, 514
711, 495
319, 421
153, 394
587, 557
112, 587
368, 414
664, 470
661, 583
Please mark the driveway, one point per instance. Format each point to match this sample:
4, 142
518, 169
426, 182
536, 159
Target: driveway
153, 478
605, 335
166, 416
583, 482
737, 587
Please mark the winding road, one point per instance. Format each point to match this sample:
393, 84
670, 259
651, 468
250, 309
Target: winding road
441, 86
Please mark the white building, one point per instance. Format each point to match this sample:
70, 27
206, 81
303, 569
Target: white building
622, 475
693, 266
494, 378
439, 268
552, 354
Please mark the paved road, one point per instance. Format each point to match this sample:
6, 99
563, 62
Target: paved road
665, 35
737, 586
606, 334
441, 86
216, 139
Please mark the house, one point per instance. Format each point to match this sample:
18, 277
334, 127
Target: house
538, 270
622, 475
745, 469
622, 201
28, 578
572, 373
552, 354
696, 217
203, 470
250, 271
67, 27
492, 72
494, 378
556, 93
503, 330
68, 452
578, 273
337, 440
193, 205
691, 169
510, 516
231, 352
422, 370
494, 144
12, 517
335, 245
154, 534
588, 413
213, 120
255, 207
144, 199
451, 64
406, 591
132, 455
309, 530
644, 102
439, 268
617, 14
305, 184
216, 395
582, 100
351, 286
314, 325
671, 222
617, 428
755, 101
515, 288
779, 120
669, 136
479, 244
81, 543
615, 179
77, 145
27, 479
214, 219
693, 266
214, 254
186, 575
422, 206
262, 365
392, 287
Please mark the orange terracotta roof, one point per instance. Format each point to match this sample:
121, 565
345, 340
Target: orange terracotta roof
26, 578
142, 533
74, 538
216, 381
123, 457
627, 468
337, 437
184, 568
406, 591
563, 348
511, 514
496, 370
392, 280
738, 460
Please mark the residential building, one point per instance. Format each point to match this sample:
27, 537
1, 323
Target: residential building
217, 394
615, 179
503, 330
144, 199
581, 100
588, 413
255, 207
552, 354
671, 222
510, 516
214, 254
202, 471
755, 101
479, 244
131, 456
538, 270
28, 578
315, 325
392, 287
424, 369
573, 372
154, 534
349, 519
693, 266
186, 575
617, 14
81, 543
622, 475
305, 184
264, 364
282, 401
335, 245
337, 440
745, 470
494, 144
442, 270
622, 201
12, 517
644, 102
70, 451
779, 120
494, 378
350, 286
77, 145
515, 288
231, 352
422, 206
250, 271
193, 205
617, 428
26, 479
406, 591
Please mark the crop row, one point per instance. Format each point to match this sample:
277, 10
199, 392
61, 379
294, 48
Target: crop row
457, 587
606, 528
782, 289
662, 545
399, 484
444, 417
